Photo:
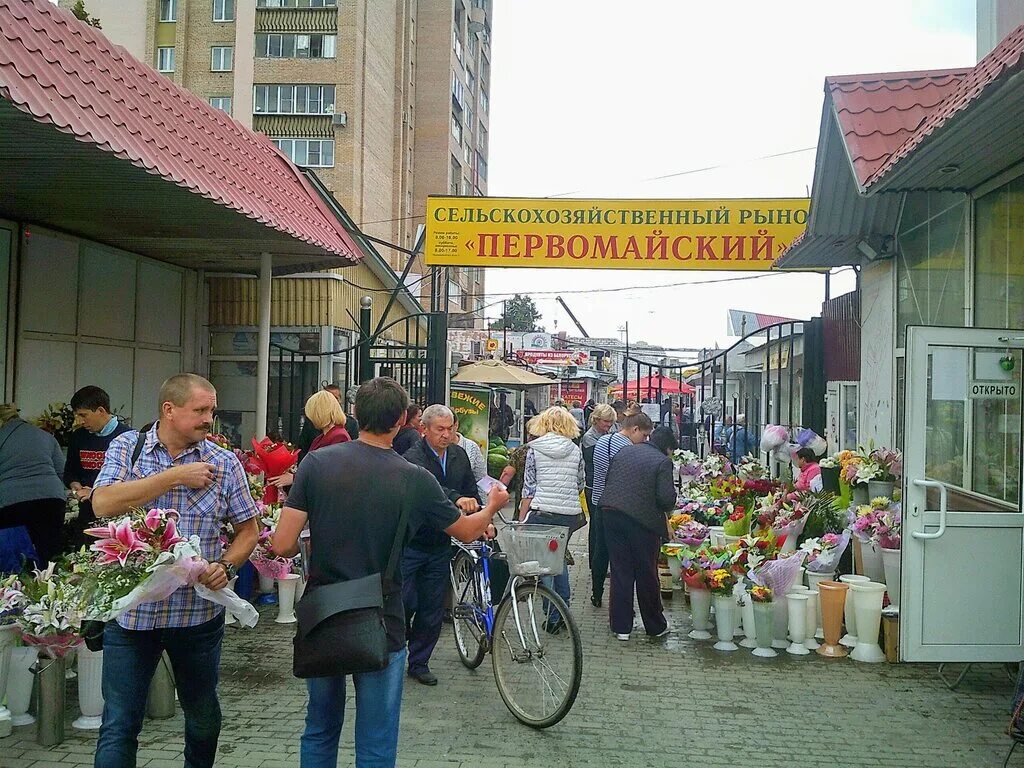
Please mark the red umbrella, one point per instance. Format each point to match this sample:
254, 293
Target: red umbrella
652, 384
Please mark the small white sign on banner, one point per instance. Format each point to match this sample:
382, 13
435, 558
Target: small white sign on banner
993, 390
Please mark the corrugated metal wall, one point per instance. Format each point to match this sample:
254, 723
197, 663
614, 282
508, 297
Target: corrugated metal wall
841, 318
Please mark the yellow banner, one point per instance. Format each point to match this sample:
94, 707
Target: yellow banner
611, 234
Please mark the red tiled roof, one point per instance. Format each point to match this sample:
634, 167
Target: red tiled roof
878, 114
1004, 60
67, 74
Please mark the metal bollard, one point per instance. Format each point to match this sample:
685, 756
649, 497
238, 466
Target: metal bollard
160, 704
50, 679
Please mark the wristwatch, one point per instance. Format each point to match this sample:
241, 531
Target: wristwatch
229, 568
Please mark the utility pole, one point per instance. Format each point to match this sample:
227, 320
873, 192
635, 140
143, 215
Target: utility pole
504, 330
625, 368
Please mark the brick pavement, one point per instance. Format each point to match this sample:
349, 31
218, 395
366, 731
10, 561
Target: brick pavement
642, 703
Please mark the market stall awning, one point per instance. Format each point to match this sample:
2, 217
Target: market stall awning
97, 144
497, 372
656, 384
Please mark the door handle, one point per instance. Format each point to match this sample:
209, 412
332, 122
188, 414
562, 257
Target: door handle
943, 499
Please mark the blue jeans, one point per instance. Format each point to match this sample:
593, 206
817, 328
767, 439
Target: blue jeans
425, 578
130, 658
378, 705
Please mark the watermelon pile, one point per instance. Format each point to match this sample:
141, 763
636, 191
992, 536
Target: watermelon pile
497, 456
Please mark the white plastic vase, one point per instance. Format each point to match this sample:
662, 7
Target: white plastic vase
90, 690
746, 618
286, 586
725, 622
8, 637
780, 620
849, 616
811, 620
867, 602
871, 560
717, 535
675, 567
891, 562
266, 584
229, 617
700, 610
764, 616
797, 608
19, 684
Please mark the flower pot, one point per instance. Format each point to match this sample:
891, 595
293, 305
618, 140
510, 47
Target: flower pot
832, 595
266, 584
880, 488
813, 580
796, 603
700, 610
891, 564
763, 620
52, 676
725, 622
229, 617
747, 618
675, 567
811, 620
830, 480
850, 638
861, 494
867, 602
286, 587
8, 638
90, 690
871, 552
717, 535
780, 621
19, 685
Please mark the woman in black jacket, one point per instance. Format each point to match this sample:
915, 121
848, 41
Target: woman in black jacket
638, 495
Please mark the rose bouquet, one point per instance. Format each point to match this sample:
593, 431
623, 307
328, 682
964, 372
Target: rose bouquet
727, 487
823, 553
713, 515
738, 521
791, 519
273, 459
751, 551
141, 558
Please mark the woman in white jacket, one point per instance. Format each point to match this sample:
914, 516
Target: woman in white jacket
553, 480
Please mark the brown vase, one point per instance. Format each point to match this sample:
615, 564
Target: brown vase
833, 602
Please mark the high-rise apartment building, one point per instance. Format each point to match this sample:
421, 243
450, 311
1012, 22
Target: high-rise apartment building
386, 99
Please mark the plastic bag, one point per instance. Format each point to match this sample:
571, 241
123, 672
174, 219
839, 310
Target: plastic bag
773, 436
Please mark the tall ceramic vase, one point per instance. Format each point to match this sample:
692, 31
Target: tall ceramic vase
891, 563
286, 586
764, 619
813, 580
797, 605
90, 689
19, 684
871, 555
746, 607
833, 600
700, 608
850, 638
8, 638
867, 602
229, 618
725, 622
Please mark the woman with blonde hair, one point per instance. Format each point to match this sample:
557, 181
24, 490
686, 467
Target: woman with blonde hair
553, 479
325, 413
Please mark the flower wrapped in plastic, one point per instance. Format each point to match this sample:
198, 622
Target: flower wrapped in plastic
50, 611
141, 558
678, 519
823, 552
779, 574
688, 466
889, 527
12, 600
773, 436
790, 520
264, 559
738, 521
808, 438
715, 465
751, 551
751, 468
692, 534
274, 459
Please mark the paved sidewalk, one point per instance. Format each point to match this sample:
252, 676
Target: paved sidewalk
642, 703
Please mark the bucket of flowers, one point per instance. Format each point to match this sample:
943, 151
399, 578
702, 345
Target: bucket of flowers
721, 583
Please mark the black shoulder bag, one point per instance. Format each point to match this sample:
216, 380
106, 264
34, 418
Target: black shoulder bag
341, 627
92, 631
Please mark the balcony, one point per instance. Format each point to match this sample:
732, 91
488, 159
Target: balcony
302, 20
306, 126
477, 20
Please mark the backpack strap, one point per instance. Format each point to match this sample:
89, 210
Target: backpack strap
140, 443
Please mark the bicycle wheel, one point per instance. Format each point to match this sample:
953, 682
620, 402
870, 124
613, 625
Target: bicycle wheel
470, 636
537, 667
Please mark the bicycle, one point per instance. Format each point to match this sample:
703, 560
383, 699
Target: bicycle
535, 645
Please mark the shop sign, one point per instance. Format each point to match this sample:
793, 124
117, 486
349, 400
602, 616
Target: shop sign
555, 356
990, 390
473, 407
733, 234
570, 392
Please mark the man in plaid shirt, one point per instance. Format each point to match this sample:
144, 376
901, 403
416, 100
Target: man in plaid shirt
177, 468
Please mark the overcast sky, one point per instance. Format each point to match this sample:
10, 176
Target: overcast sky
595, 98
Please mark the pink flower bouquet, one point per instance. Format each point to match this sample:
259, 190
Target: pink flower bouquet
823, 553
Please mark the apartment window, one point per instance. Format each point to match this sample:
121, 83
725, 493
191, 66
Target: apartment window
288, 46
222, 103
481, 138
481, 166
471, 78
312, 153
467, 154
456, 130
456, 177
297, 3
165, 59
294, 99
469, 121
223, 10
467, 188
484, 102
221, 57
458, 46
168, 10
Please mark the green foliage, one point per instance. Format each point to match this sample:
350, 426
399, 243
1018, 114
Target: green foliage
78, 9
521, 314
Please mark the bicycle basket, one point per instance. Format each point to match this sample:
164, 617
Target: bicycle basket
534, 550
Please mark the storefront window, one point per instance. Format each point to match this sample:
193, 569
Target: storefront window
931, 263
848, 427
999, 269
